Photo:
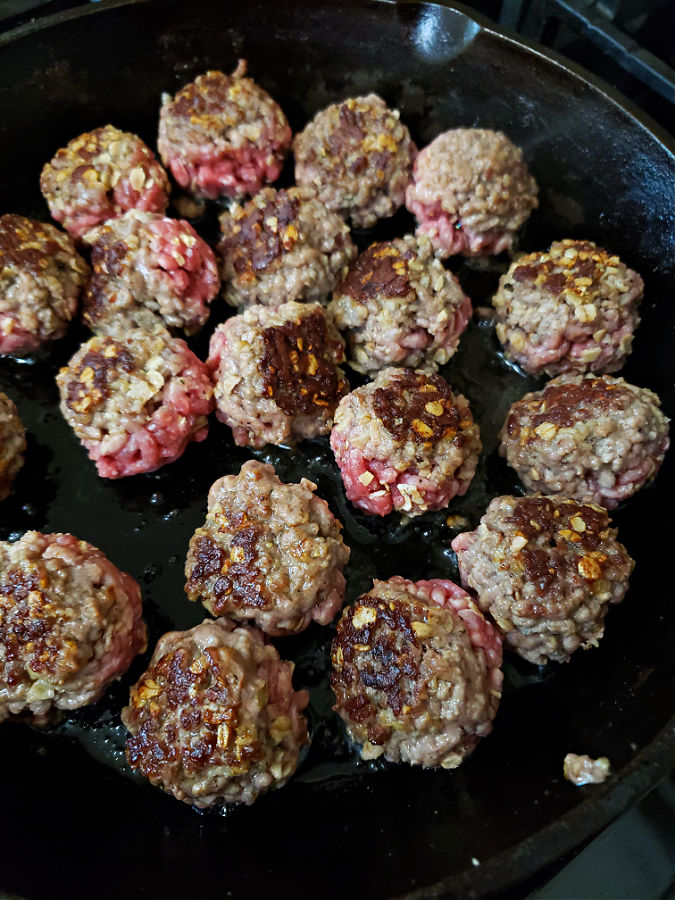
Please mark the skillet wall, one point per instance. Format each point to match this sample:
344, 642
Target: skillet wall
602, 177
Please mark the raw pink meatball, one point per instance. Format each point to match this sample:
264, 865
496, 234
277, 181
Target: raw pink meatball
41, 278
223, 135
416, 672
70, 624
149, 270
405, 442
99, 176
398, 305
136, 401
471, 192
572, 308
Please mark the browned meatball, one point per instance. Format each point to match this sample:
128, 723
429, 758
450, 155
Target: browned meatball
12, 445
215, 719
357, 157
268, 551
277, 373
41, 277
572, 308
70, 624
416, 672
596, 439
399, 306
281, 246
545, 570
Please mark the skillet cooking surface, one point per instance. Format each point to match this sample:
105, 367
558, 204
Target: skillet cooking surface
74, 826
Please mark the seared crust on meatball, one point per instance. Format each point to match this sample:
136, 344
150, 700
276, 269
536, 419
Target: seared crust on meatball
545, 569
471, 192
70, 624
592, 438
223, 135
357, 157
280, 246
572, 308
277, 373
416, 672
405, 442
41, 276
148, 271
12, 445
268, 551
399, 306
136, 401
99, 176
215, 719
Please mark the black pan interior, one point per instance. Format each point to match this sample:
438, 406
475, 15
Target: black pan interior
341, 825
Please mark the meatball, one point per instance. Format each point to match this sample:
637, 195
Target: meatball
471, 192
149, 270
572, 308
99, 176
70, 624
281, 246
592, 438
399, 306
41, 277
276, 373
215, 719
135, 402
357, 157
416, 672
12, 445
223, 135
268, 551
405, 442
545, 570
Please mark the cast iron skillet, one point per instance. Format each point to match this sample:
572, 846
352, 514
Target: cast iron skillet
74, 823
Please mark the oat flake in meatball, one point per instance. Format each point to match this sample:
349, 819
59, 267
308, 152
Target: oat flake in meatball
149, 270
277, 373
41, 277
280, 246
545, 570
571, 308
135, 402
595, 439
268, 551
398, 305
12, 445
70, 624
405, 442
99, 176
416, 672
215, 719
223, 135
471, 192
357, 157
